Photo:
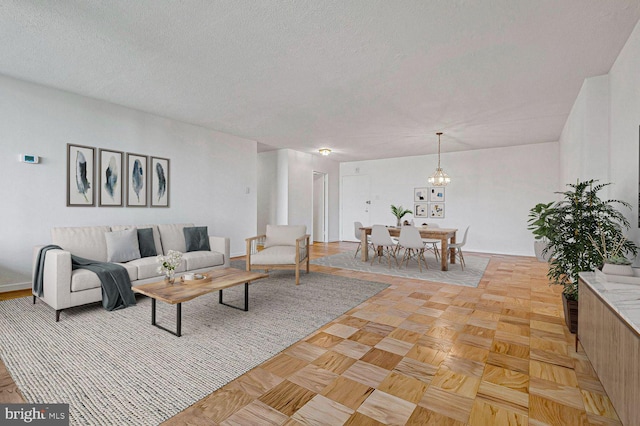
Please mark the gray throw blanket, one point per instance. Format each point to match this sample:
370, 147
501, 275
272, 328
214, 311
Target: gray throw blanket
116, 285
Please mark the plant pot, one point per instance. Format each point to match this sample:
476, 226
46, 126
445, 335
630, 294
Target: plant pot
539, 246
611, 269
570, 313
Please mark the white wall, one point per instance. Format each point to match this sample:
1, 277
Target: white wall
267, 196
210, 171
318, 207
624, 142
601, 137
282, 200
301, 168
584, 143
294, 202
492, 191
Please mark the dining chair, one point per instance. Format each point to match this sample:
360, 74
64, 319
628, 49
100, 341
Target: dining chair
431, 244
413, 246
458, 248
358, 234
384, 245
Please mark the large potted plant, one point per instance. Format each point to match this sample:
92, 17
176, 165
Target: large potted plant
573, 222
539, 226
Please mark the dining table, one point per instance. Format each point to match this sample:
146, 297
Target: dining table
445, 235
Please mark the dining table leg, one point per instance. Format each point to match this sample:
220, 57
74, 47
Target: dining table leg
452, 254
444, 250
364, 246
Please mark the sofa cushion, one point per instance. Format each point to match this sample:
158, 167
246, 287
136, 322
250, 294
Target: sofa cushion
202, 259
148, 267
283, 235
154, 228
278, 255
132, 270
172, 237
196, 238
84, 279
122, 246
87, 241
146, 243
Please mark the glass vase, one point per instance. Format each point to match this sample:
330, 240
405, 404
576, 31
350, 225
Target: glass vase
170, 276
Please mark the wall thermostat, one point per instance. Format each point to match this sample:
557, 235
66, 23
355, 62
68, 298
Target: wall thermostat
28, 158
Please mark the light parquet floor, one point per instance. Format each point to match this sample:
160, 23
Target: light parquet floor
421, 353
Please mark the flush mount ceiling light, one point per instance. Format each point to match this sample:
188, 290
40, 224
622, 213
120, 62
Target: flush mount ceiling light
324, 151
439, 178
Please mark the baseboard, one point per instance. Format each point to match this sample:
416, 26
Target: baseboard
498, 253
4, 288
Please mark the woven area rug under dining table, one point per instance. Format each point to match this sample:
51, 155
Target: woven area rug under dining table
470, 276
115, 368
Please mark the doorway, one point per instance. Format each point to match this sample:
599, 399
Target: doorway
356, 202
320, 207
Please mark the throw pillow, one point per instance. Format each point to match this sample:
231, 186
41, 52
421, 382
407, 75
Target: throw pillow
196, 238
146, 243
122, 246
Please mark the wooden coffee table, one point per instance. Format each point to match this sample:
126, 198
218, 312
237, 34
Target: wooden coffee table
180, 292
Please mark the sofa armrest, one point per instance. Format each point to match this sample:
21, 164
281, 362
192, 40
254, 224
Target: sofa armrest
56, 278
221, 245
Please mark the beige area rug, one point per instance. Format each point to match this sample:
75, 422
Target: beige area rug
115, 368
470, 276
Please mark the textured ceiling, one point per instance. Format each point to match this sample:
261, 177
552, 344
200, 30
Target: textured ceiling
369, 79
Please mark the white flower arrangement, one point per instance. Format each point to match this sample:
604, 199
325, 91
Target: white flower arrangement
169, 263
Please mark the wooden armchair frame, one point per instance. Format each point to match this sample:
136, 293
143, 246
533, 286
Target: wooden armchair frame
302, 255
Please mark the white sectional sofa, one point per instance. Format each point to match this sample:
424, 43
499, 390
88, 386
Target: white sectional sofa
64, 288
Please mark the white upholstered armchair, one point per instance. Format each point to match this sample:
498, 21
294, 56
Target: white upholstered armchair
281, 247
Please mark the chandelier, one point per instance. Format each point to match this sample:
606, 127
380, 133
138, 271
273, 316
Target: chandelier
439, 178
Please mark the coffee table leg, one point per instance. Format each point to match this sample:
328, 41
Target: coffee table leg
178, 331
246, 299
179, 319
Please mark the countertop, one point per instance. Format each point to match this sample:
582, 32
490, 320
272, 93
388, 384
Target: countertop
623, 298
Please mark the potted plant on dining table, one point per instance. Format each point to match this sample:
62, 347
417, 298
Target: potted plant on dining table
399, 212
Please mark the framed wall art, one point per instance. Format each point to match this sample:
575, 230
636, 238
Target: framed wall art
420, 210
420, 194
136, 180
436, 194
111, 177
436, 210
80, 176
160, 178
